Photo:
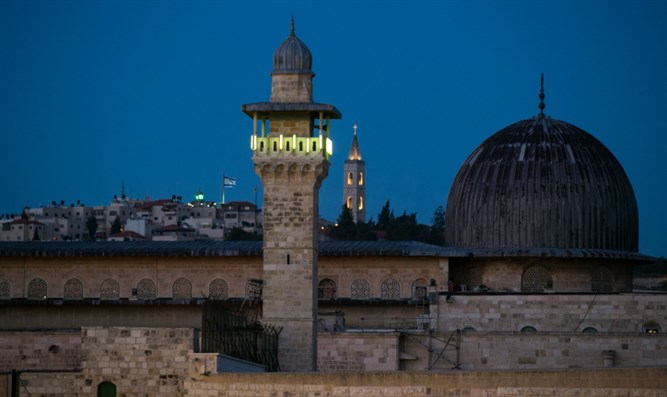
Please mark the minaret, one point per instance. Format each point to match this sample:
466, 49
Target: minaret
292, 160
354, 185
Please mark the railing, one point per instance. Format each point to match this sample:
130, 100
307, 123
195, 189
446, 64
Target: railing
230, 332
291, 145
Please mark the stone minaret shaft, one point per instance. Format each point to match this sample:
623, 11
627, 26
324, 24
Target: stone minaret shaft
292, 160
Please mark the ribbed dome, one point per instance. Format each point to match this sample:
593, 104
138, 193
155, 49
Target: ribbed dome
542, 183
292, 56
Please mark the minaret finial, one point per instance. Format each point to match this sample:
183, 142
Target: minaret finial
355, 129
291, 26
541, 105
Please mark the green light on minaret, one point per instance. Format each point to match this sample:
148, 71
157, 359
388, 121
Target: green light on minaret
199, 196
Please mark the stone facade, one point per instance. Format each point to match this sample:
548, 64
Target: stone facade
161, 361
604, 313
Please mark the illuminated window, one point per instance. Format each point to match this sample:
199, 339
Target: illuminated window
182, 289
348, 202
37, 289
218, 289
361, 179
361, 203
350, 178
73, 289
326, 289
651, 327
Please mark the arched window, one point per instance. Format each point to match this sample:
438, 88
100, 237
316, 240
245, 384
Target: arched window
602, 279
390, 289
468, 329
536, 279
218, 289
5, 289
361, 203
301, 146
110, 289
589, 330
348, 202
420, 289
106, 389
360, 289
651, 327
182, 289
361, 179
37, 289
146, 289
275, 146
528, 329
287, 145
350, 178
314, 146
326, 289
73, 289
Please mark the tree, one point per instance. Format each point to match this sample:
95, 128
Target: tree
385, 217
116, 226
35, 236
238, 234
438, 227
345, 229
91, 225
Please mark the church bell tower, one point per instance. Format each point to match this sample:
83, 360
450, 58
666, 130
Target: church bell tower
354, 185
291, 148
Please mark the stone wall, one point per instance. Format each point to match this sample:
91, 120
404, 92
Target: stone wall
358, 352
520, 351
551, 313
37, 351
148, 361
153, 361
636, 382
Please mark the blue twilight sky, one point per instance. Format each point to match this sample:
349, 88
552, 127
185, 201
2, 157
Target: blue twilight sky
98, 94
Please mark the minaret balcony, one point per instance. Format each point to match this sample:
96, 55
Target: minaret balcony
293, 145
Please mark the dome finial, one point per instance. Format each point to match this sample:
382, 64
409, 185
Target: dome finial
541, 105
291, 26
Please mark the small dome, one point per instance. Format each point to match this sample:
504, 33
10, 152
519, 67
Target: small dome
542, 183
292, 56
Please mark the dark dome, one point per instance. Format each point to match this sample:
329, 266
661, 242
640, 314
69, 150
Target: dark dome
542, 183
292, 56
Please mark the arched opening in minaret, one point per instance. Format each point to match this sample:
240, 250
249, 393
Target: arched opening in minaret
361, 179
350, 178
348, 202
361, 203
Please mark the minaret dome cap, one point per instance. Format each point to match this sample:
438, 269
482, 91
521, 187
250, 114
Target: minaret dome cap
292, 56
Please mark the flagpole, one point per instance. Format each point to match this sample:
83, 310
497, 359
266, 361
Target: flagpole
223, 188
